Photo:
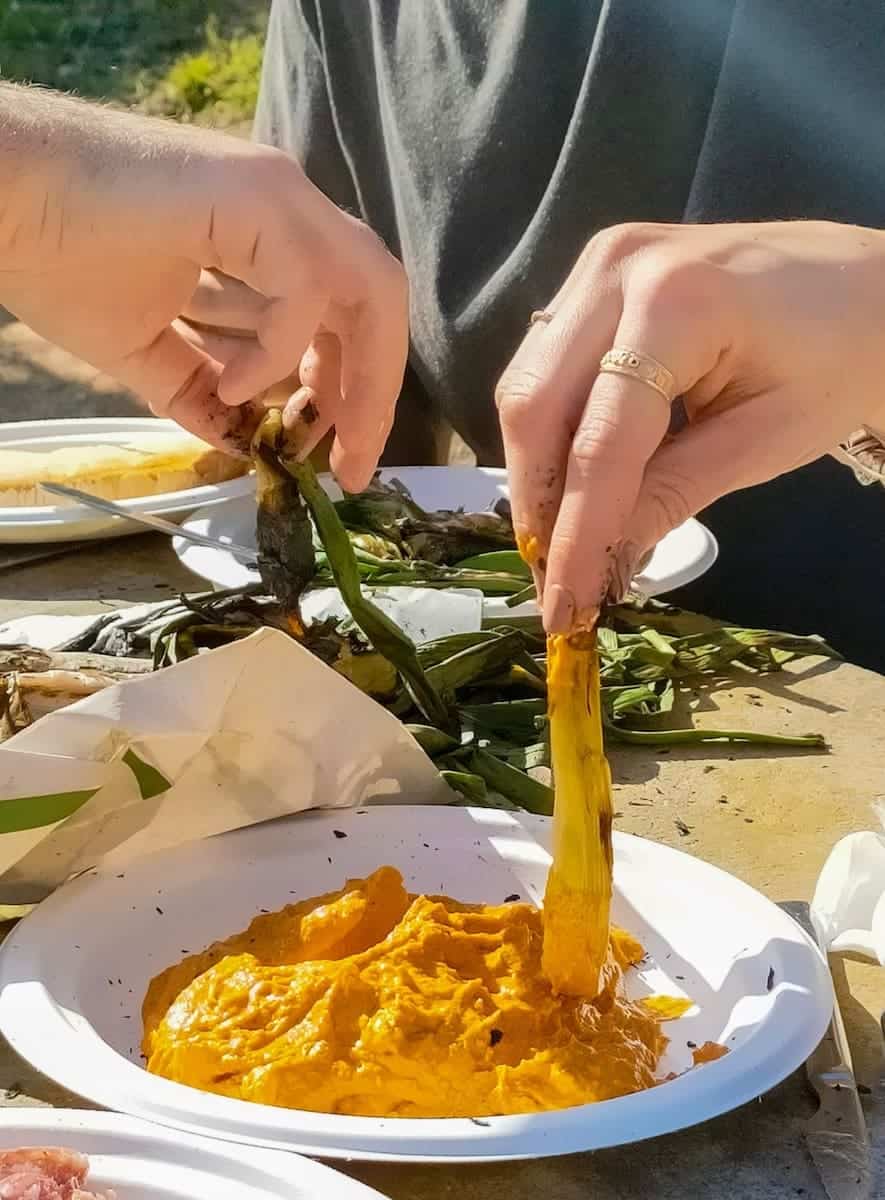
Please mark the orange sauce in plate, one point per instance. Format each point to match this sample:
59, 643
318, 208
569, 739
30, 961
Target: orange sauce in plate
374, 1002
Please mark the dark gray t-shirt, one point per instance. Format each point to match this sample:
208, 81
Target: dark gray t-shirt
487, 140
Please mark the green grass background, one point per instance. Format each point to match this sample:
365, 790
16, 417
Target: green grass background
196, 60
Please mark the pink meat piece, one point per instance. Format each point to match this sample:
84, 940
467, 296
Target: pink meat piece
45, 1174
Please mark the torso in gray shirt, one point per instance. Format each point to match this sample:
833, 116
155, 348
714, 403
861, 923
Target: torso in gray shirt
487, 140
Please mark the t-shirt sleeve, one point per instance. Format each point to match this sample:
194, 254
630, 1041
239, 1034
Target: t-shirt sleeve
294, 111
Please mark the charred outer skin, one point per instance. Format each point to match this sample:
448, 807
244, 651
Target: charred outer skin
286, 559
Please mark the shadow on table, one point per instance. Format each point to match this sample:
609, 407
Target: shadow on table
863, 1028
701, 696
40, 382
132, 570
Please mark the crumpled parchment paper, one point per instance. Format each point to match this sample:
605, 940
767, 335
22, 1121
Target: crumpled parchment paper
249, 732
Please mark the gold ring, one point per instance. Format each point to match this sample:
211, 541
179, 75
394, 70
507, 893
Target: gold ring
641, 367
540, 314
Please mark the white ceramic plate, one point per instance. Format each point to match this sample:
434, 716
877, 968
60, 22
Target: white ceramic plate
57, 523
679, 558
73, 975
144, 1162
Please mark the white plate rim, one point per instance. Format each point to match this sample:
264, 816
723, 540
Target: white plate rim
38, 1030
200, 560
64, 1127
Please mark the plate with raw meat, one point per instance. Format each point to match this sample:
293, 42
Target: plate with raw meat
65, 1154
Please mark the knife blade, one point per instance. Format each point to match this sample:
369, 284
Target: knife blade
150, 521
836, 1136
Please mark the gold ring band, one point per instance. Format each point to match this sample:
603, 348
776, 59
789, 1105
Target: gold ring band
641, 367
540, 314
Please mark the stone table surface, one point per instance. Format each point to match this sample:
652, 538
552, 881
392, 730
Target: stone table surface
766, 816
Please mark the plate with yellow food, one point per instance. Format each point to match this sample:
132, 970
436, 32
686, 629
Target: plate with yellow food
144, 464
383, 984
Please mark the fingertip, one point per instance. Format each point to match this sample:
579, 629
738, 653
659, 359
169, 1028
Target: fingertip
353, 472
559, 609
230, 392
248, 374
301, 407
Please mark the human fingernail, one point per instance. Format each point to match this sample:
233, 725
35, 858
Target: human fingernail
300, 408
354, 476
301, 421
559, 609
540, 582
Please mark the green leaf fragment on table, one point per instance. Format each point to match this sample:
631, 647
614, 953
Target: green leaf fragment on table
527, 758
417, 573
510, 782
642, 699
34, 812
606, 640
666, 697
433, 741
517, 678
151, 782
474, 663
505, 562
689, 737
489, 800
512, 719
471, 787
528, 625
522, 597
440, 649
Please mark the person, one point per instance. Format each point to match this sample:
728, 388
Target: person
107, 220
490, 144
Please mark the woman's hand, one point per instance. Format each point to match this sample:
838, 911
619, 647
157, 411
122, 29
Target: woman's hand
775, 336
107, 222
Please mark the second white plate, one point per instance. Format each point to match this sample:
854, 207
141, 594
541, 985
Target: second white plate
680, 557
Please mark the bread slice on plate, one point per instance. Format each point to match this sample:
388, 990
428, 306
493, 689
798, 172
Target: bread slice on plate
148, 464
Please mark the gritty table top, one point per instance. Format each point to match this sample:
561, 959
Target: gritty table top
767, 816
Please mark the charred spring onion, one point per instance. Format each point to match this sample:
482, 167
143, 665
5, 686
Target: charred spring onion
579, 885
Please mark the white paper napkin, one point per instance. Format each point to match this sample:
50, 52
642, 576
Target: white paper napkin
423, 614
252, 731
849, 900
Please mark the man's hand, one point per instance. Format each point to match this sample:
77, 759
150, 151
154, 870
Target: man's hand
773, 333
107, 221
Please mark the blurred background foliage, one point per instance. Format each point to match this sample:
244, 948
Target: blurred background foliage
195, 60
